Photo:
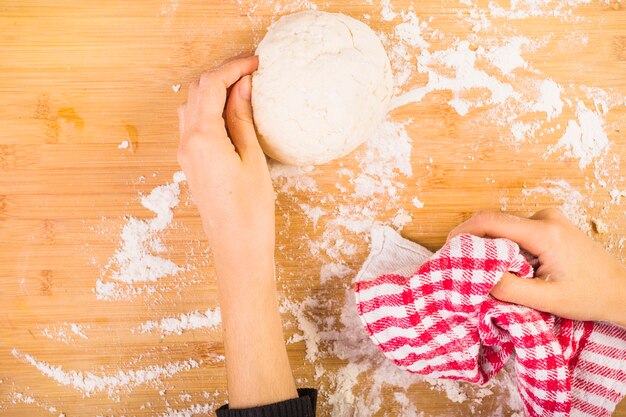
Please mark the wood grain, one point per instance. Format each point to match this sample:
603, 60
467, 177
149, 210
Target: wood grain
78, 78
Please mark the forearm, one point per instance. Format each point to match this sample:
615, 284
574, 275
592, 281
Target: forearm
257, 366
229, 179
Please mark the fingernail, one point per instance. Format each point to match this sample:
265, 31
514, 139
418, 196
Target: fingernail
245, 90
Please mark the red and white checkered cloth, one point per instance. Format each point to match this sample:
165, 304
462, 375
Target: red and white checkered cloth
441, 322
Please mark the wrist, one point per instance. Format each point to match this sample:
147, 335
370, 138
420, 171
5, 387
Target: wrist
243, 261
617, 302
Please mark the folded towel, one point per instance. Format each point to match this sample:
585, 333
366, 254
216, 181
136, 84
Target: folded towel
433, 315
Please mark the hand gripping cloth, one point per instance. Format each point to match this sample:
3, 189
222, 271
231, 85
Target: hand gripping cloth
433, 315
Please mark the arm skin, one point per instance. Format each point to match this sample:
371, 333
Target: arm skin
229, 180
577, 278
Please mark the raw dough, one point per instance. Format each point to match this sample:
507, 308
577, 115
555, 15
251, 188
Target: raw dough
323, 85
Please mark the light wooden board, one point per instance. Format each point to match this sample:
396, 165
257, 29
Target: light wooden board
77, 78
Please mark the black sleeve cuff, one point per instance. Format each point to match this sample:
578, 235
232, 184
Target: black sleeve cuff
303, 406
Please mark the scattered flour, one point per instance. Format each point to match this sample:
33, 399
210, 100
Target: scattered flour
306, 324
385, 156
508, 57
90, 383
410, 31
417, 203
65, 332
549, 100
19, 397
137, 258
291, 177
313, 213
177, 325
333, 270
123, 145
401, 219
524, 9
585, 138
387, 12
462, 60
194, 410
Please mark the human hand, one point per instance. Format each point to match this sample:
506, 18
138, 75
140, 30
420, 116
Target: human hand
576, 277
224, 164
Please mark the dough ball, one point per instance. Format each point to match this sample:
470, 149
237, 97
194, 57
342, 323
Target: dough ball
323, 85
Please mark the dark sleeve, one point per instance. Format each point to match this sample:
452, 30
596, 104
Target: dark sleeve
303, 406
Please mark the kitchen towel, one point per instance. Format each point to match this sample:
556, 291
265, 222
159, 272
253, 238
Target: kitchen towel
433, 315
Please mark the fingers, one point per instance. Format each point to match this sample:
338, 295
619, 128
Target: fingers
203, 111
213, 85
525, 232
534, 293
239, 119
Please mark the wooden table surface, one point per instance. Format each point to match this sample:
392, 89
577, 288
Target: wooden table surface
78, 78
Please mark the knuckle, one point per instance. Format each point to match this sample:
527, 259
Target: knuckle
241, 116
207, 78
552, 230
196, 140
556, 213
483, 216
550, 213
193, 142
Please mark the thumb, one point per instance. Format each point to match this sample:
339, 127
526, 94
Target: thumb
239, 119
535, 293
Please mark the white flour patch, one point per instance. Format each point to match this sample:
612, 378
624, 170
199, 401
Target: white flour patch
584, 138
417, 203
524, 9
333, 270
508, 56
381, 160
194, 410
313, 213
65, 332
290, 177
401, 219
137, 259
306, 324
410, 31
461, 59
23, 398
549, 100
523, 131
386, 155
177, 325
89, 383
250, 8
387, 12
